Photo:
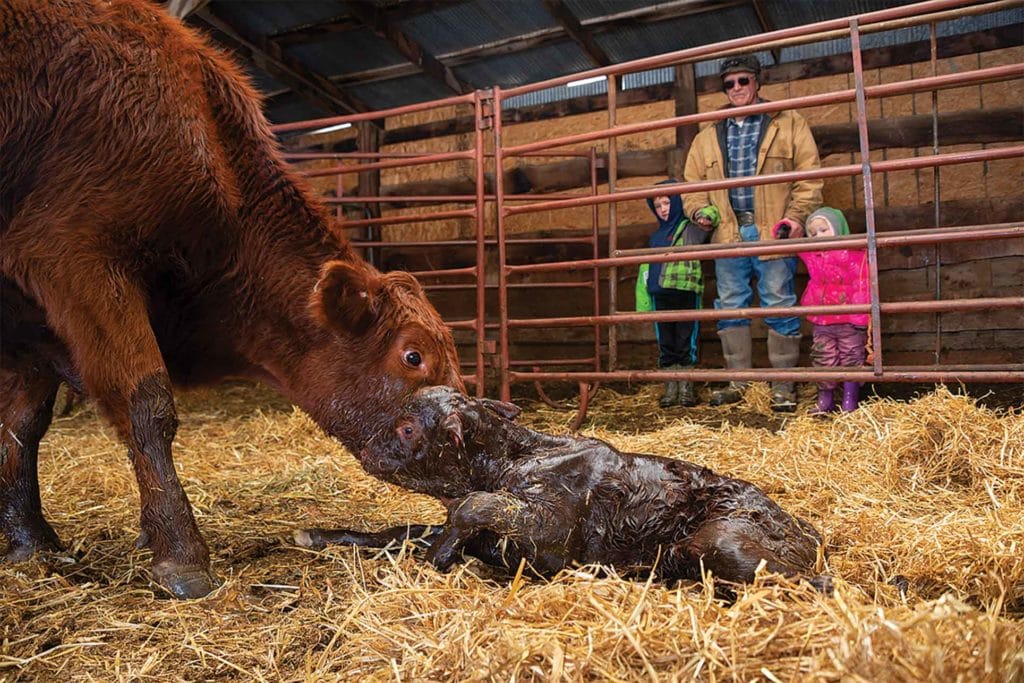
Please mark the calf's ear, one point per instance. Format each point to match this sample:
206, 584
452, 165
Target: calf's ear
347, 297
509, 411
453, 425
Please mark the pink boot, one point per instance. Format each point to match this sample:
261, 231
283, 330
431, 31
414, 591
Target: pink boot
826, 401
851, 396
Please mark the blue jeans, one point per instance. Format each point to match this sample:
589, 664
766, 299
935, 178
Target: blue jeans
774, 285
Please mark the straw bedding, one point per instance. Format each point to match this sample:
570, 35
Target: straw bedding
921, 504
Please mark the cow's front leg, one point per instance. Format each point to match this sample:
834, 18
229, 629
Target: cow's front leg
181, 560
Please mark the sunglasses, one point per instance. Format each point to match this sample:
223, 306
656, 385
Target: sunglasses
730, 84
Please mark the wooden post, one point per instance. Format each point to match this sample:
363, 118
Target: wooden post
684, 92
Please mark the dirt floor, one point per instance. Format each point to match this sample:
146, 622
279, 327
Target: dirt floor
920, 500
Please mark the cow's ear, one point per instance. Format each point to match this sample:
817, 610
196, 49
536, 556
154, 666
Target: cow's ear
509, 411
347, 297
405, 280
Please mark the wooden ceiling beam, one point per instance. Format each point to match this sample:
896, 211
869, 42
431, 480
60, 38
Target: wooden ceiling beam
767, 26
378, 21
313, 32
308, 84
571, 25
534, 39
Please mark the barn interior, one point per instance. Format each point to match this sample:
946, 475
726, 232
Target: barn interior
412, 62
502, 152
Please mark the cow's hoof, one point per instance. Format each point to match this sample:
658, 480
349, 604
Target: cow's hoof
21, 552
185, 582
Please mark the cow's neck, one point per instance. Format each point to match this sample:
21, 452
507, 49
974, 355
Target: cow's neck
289, 241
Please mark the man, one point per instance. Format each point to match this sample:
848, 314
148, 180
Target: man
742, 146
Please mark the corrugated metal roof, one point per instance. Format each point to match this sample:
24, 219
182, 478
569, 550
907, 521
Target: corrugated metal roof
529, 66
459, 27
588, 9
800, 12
265, 18
462, 26
350, 51
293, 108
643, 40
396, 92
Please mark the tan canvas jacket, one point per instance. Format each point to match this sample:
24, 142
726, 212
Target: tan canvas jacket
786, 145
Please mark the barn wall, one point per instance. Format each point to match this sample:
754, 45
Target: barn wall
964, 270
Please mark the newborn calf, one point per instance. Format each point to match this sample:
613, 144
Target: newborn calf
516, 494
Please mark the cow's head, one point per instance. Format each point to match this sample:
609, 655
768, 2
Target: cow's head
385, 341
440, 444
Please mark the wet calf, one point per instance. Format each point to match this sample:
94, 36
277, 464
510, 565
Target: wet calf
554, 501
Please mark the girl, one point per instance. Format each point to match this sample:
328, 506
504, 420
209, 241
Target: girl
837, 277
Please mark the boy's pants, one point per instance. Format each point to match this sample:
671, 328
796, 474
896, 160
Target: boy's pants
677, 341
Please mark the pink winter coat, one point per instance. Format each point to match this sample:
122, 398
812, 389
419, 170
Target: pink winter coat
837, 277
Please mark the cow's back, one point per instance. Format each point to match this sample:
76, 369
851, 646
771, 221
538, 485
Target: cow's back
110, 111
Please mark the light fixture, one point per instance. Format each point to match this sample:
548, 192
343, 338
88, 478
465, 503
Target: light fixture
330, 129
585, 81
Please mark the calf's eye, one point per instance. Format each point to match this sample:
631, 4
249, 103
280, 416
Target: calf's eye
413, 359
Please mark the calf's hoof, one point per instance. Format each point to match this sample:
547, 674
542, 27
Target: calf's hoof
442, 556
822, 583
185, 582
309, 538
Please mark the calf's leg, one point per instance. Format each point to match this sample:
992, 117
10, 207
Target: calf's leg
502, 529
27, 394
317, 539
732, 549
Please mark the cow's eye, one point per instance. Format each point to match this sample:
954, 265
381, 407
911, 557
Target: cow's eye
413, 359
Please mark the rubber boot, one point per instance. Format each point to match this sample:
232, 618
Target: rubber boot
736, 350
851, 396
826, 401
687, 397
671, 395
783, 352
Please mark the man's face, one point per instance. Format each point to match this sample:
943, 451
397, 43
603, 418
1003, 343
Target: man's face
662, 205
741, 88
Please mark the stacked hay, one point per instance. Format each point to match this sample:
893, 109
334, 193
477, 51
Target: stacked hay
921, 505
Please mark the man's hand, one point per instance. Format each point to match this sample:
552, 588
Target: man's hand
787, 227
708, 218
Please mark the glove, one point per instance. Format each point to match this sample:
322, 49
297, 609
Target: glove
787, 227
708, 213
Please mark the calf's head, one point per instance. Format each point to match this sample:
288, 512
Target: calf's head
382, 341
434, 445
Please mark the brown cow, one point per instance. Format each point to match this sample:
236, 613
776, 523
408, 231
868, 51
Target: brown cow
151, 234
